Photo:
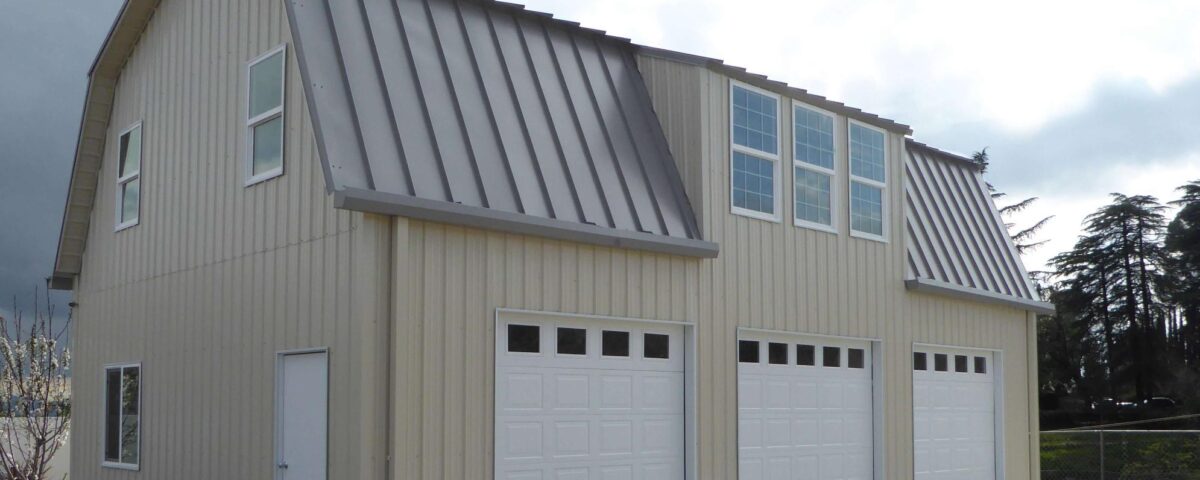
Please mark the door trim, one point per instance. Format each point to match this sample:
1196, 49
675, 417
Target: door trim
691, 462
279, 371
999, 406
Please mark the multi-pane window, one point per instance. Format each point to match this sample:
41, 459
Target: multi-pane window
755, 156
264, 117
868, 180
129, 177
812, 156
122, 406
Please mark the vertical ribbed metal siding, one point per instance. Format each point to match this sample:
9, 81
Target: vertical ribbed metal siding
769, 276
217, 277
954, 233
484, 105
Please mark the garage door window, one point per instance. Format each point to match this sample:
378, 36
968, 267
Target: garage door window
572, 341
960, 363
657, 346
806, 355
614, 344
856, 358
831, 357
980, 365
940, 362
748, 351
919, 361
524, 339
777, 353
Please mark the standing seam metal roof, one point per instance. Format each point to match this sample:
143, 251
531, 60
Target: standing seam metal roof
489, 109
956, 238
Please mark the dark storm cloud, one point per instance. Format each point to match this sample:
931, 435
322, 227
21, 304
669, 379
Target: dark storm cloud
1123, 124
46, 47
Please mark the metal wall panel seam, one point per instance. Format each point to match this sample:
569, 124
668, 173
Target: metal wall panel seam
1004, 281
932, 226
975, 249
943, 225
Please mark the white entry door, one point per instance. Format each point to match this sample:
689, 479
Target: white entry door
805, 408
588, 399
301, 415
954, 414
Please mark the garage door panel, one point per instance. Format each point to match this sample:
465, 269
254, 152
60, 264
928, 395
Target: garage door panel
589, 405
799, 418
954, 414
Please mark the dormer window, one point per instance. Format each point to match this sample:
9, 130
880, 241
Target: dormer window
868, 182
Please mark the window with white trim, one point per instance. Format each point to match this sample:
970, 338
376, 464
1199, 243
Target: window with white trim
129, 177
813, 168
264, 116
755, 153
868, 181
122, 416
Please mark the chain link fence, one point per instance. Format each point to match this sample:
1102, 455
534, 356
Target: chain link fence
1121, 455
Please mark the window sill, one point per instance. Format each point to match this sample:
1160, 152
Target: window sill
868, 236
121, 466
820, 227
125, 226
262, 177
742, 212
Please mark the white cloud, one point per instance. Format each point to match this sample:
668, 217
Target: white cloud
1078, 98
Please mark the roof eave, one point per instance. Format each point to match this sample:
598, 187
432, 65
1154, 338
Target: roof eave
936, 287
383, 203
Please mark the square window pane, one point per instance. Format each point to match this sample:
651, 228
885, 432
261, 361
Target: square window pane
131, 196
941, 362
777, 353
856, 358
572, 341
748, 351
266, 85
867, 153
806, 355
980, 365
524, 338
130, 389
268, 146
753, 183
755, 120
919, 361
831, 357
866, 208
813, 197
614, 344
656, 345
960, 363
131, 152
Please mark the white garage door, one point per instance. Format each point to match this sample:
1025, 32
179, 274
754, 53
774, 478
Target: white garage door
804, 408
954, 415
580, 399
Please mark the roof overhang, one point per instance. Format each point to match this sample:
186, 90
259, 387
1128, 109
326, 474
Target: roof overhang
93, 128
935, 287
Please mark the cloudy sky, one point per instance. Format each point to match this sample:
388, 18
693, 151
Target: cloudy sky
1075, 99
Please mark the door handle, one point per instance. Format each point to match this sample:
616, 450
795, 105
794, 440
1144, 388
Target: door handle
283, 466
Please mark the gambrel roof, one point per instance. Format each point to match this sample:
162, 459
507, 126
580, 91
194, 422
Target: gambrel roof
482, 114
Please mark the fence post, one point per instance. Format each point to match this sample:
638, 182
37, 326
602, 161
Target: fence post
1101, 454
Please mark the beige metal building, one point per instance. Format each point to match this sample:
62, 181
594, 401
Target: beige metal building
453, 239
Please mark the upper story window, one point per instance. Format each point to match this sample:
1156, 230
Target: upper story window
813, 167
755, 153
868, 181
129, 177
264, 116
122, 407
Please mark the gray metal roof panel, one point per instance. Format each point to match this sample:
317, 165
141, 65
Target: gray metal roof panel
484, 105
955, 234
